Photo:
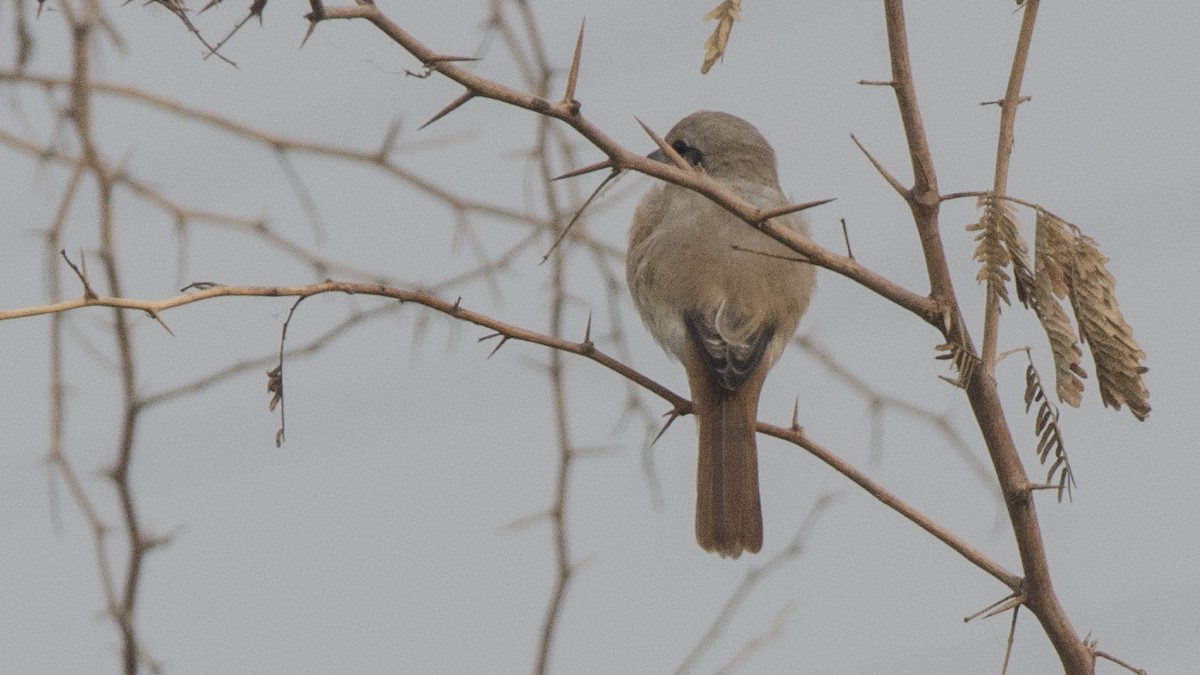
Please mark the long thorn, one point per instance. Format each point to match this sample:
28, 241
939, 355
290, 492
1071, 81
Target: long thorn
667, 150
573, 77
449, 59
999, 603
882, 171
606, 164
575, 218
792, 208
674, 415
467, 96
1012, 603
503, 339
154, 315
312, 25
846, 236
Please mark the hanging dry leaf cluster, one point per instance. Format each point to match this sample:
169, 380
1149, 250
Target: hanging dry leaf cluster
724, 14
1067, 265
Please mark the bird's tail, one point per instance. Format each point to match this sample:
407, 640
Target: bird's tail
728, 509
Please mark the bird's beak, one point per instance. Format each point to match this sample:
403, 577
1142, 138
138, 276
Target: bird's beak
658, 156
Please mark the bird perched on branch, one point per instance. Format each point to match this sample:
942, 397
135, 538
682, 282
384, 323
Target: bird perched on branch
724, 299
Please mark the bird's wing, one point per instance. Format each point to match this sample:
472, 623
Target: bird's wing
730, 348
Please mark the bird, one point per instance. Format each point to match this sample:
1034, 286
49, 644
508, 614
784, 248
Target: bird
724, 299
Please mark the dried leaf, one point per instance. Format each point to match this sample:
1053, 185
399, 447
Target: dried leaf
1009, 229
1053, 256
1117, 356
275, 387
724, 14
1045, 426
1001, 245
963, 361
1064, 346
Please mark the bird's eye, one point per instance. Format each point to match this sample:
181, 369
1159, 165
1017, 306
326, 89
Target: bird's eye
692, 155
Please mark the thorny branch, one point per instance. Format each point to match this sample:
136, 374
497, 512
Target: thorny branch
924, 200
584, 348
940, 309
619, 157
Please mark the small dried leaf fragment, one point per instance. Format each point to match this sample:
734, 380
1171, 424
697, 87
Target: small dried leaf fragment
275, 387
1117, 356
961, 360
724, 14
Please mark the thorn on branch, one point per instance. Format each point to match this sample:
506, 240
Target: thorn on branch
791, 208
312, 26
887, 176
1102, 655
878, 83
846, 236
672, 415
313, 18
667, 150
447, 58
587, 332
575, 218
1012, 603
157, 317
573, 75
606, 164
148, 543
199, 286
797, 258
454, 105
1003, 604
1000, 102
180, 11
503, 338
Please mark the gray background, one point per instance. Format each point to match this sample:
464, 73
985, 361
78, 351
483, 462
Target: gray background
380, 538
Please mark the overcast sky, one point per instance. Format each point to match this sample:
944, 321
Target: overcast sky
391, 531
